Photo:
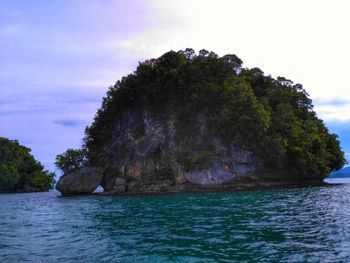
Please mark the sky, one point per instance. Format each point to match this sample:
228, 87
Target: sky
58, 57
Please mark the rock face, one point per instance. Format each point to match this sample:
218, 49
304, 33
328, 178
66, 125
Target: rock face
149, 153
83, 181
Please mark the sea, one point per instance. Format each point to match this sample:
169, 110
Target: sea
309, 224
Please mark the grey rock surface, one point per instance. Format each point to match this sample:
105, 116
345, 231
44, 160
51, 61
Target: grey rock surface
83, 181
153, 153
150, 153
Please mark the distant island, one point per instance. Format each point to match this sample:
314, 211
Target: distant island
200, 122
19, 171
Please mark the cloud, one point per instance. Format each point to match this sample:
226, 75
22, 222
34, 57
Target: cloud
334, 111
68, 122
55, 102
279, 37
169, 29
336, 101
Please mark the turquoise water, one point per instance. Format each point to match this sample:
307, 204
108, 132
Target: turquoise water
290, 225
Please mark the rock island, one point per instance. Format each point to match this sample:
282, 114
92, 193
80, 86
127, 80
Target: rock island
200, 122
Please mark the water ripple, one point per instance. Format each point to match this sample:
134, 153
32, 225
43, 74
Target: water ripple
289, 225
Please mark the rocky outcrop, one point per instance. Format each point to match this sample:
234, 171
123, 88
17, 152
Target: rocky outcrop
83, 181
151, 153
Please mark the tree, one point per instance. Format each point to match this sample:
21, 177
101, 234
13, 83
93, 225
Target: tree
19, 169
234, 62
71, 160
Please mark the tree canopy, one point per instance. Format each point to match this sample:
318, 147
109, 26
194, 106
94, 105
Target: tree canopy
272, 117
71, 160
19, 169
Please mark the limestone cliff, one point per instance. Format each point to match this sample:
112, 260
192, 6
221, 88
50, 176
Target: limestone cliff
148, 154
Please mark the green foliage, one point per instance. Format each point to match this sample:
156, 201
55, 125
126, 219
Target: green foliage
18, 168
42, 179
71, 160
272, 117
9, 176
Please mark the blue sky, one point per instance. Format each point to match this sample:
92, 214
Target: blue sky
58, 57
